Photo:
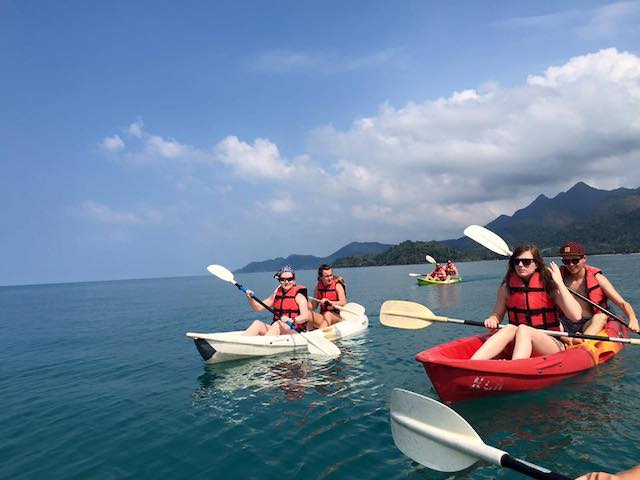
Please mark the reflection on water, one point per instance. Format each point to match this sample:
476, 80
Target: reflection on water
285, 378
443, 295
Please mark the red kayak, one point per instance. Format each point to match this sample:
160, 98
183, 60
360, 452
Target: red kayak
456, 377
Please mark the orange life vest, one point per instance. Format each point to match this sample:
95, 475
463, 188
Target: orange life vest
451, 270
330, 293
284, 304
593, 288
529, 304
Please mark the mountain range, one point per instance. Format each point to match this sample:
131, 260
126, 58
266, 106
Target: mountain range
604, 221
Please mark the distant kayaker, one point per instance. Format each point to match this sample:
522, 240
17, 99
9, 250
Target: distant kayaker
289, 302
330, 289
529, 295
590, 282
438, 273
451, 269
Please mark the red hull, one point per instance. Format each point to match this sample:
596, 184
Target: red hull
457, 378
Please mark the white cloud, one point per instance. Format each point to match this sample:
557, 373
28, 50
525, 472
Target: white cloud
426, 170
140, 216
600, 22
284, 61
112, 144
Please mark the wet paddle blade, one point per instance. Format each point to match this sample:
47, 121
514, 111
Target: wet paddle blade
321, 346
352, 307
221, 272
401, 314
430, 259
431, 433
488, 239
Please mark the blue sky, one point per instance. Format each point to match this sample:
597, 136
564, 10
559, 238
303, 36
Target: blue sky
148, 139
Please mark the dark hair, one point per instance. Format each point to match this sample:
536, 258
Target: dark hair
322, 268
545, 275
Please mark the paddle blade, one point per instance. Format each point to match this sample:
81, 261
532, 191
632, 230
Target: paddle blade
401, 314
430, 259
488, 239
352, 307
320, 346
221, 272
431, 433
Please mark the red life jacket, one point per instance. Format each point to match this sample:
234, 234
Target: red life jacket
594, 291
284, 304
530, 304
330, 293
451, 270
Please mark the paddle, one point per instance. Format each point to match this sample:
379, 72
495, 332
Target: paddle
315, 345
430, 259
435, 436
352, 309
493, 242
412, 316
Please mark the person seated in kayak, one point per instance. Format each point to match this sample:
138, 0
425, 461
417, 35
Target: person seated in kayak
591, 283
289, 303
451, 269
438, 273
330, 290
530, 294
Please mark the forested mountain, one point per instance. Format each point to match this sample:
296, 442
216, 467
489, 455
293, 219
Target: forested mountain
604, 221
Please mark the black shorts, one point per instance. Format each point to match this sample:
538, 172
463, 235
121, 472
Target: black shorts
573, 327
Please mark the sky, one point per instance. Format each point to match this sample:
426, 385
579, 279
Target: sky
151, 139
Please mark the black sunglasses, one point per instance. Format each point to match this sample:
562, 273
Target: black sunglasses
286, 279
572, 261
524, 261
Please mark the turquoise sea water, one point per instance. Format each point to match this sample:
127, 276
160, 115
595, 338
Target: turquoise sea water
97, 380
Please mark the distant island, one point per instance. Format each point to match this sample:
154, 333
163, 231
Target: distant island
605, 221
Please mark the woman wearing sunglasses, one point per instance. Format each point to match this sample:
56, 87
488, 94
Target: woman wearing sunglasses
289, 303
591, 283
529, 294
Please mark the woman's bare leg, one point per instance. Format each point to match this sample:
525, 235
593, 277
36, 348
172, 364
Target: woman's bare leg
495, 343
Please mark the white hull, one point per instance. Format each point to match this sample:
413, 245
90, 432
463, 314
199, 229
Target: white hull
227, 346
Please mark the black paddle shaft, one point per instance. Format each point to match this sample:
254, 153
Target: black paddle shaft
241, 288
529, 469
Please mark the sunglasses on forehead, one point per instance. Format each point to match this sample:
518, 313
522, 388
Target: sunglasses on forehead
572, 261
524, 261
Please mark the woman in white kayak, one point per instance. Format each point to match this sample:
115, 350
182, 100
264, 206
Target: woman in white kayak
329, 290
289, 303
529, 293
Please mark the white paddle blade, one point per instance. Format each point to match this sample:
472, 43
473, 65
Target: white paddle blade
221, 272
320, 346
430, 433
402, 314
430, 259
488, 239
418, 274
353, 308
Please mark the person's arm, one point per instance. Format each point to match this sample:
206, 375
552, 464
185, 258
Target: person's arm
613, 295
569, 305
342, 295
255, 305
631, 474
305, 313
499, 309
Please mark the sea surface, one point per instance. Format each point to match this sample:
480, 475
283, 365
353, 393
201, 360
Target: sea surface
97, 380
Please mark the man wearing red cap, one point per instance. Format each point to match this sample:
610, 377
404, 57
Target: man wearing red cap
591, 283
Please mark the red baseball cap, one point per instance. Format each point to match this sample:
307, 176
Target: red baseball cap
571, 248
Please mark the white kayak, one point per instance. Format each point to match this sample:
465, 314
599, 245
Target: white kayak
227, 346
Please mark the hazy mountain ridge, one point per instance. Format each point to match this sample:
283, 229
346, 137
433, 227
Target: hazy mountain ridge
605, 221
303, 262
